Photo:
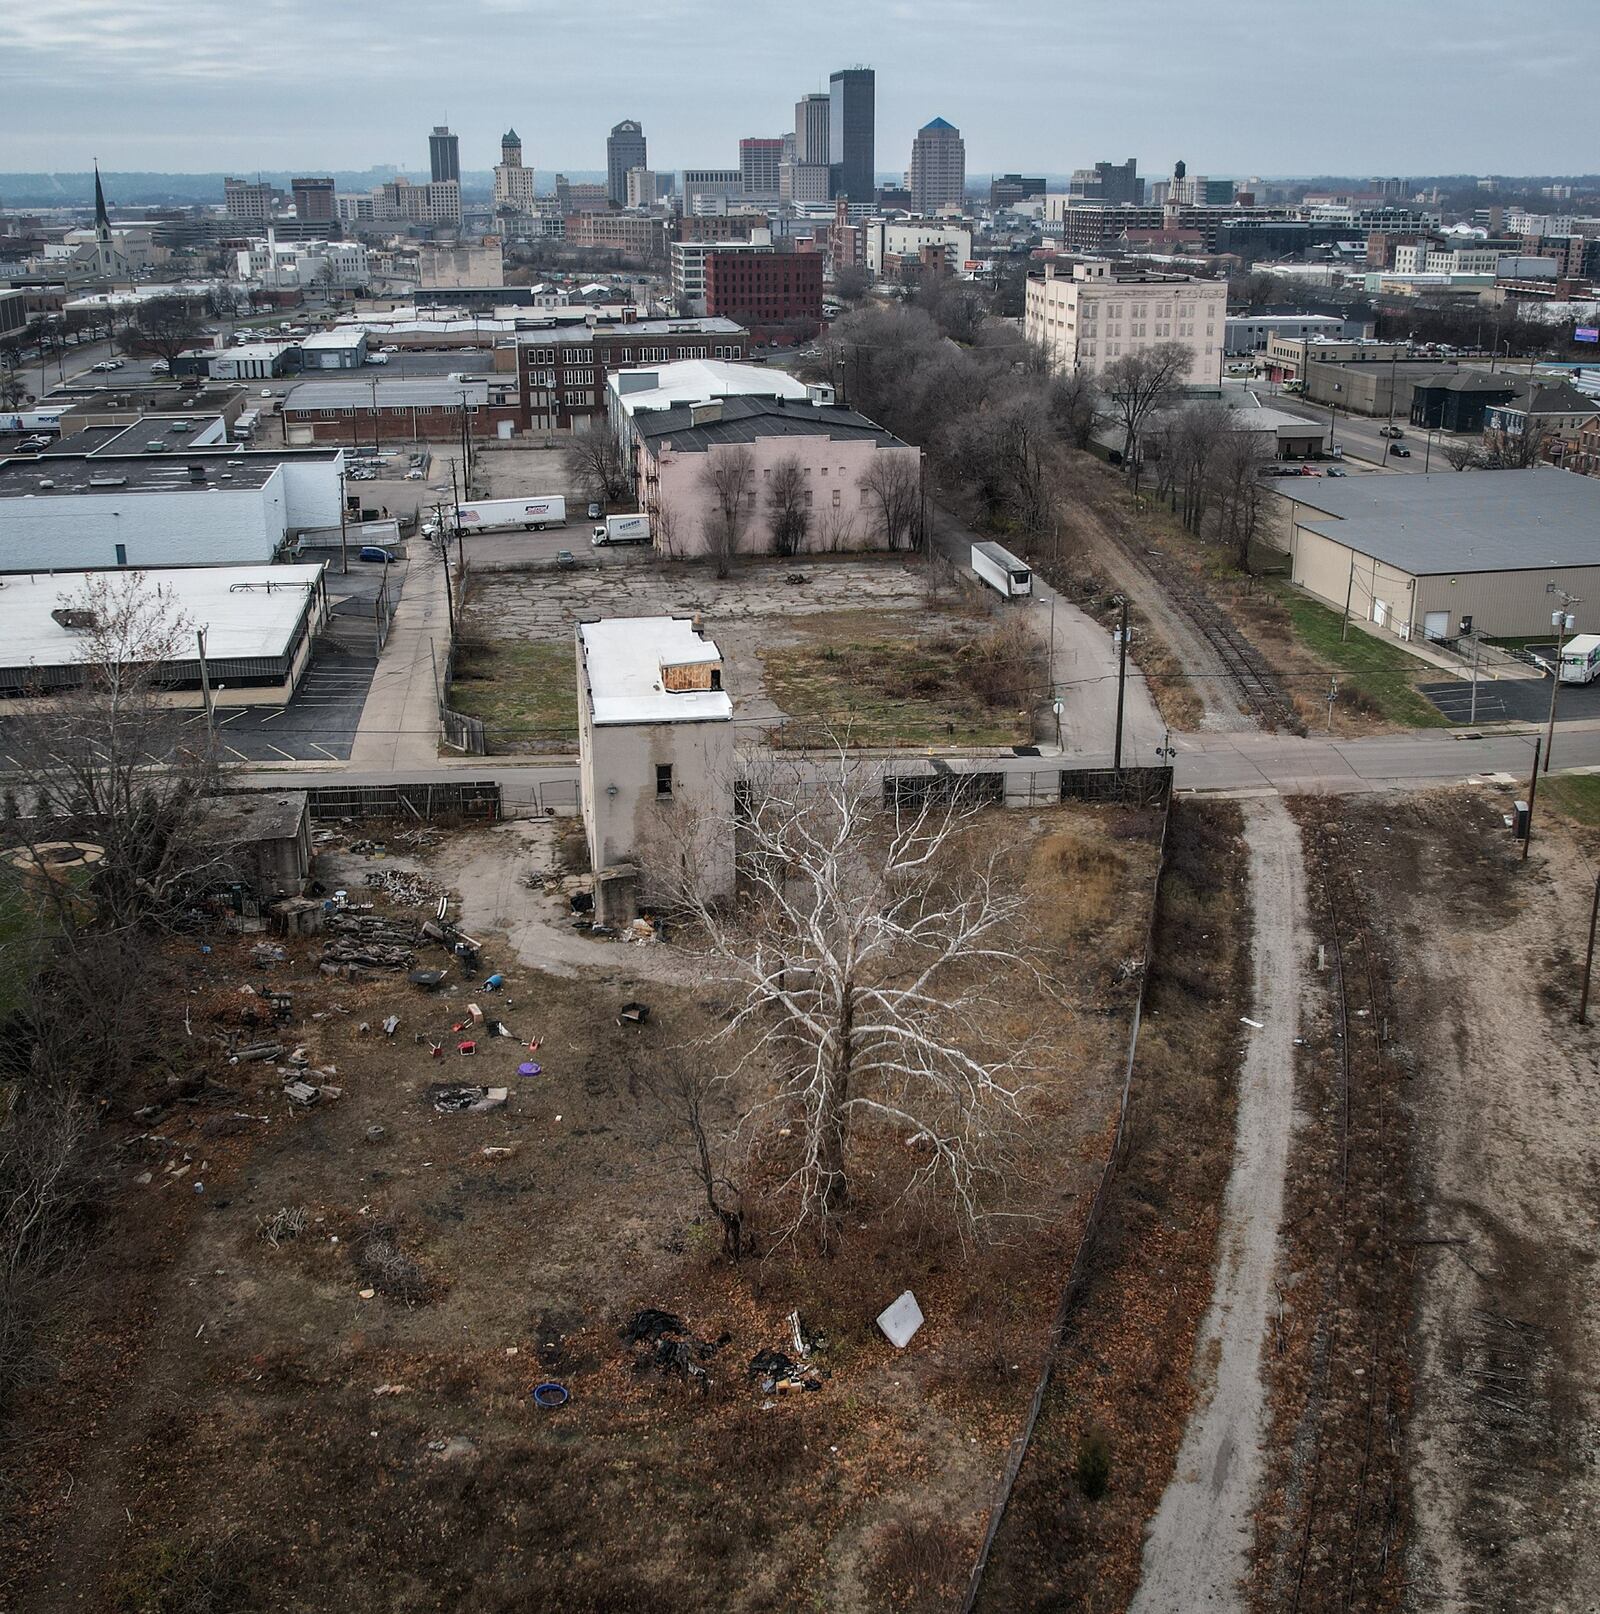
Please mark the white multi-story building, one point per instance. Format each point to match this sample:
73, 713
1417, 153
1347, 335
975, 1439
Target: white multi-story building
513, 184
645, 187
302, 265
1103, 312
907, 237
689, 267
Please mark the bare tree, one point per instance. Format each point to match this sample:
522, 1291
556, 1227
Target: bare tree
788, 505
1235, 475
850, 283
1004, 453
666, 528
687, 1090
893, 486
595, 463
1466, 456
1140, 385
163, 328
1519, 450
1190, 437
13, 389
1074, 403
862, 964
728, 476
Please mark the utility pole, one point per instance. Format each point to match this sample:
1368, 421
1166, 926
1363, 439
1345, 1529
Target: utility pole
1563, 622
1333, 695
1588, 957
344, 535
205, 681
1349, 589
1122, 681
1533, 789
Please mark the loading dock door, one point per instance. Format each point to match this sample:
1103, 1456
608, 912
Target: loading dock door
1436, 625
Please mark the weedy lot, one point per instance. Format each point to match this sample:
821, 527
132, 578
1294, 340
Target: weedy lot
250, 1407
888, 649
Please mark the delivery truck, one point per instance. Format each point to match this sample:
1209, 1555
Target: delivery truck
505, 515
634, 529
1001, 570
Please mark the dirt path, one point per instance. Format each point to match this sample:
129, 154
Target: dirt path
1196, 1549
1505, 1487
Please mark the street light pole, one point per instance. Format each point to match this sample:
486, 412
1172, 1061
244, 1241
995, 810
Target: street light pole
1122, 682
1562, 621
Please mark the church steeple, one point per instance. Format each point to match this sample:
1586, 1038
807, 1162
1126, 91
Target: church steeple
102, 219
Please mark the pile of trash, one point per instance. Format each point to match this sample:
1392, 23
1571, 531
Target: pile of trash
662, 1343
789, 1372
453, 1099
413, 890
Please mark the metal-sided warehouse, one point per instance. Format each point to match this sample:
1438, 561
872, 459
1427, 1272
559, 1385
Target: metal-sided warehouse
1412, 555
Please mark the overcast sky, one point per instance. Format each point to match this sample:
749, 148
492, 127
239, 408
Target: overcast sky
1245, 87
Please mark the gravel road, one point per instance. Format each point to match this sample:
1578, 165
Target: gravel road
1196, 1549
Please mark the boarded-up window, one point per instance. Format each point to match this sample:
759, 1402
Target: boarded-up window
690, 676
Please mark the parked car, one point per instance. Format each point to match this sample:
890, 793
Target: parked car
414, 475
1400, 451
35, 442
564, 560
1390, 431
1335, 471
596, 510
375, 552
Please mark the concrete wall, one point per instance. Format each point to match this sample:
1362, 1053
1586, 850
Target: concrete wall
311, 492
841, 517
203, 527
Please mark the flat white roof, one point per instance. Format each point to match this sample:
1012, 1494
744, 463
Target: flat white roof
623, 657
699, 381
339, 337
242, 616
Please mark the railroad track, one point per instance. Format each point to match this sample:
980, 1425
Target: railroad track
1239, 662
1349, 1504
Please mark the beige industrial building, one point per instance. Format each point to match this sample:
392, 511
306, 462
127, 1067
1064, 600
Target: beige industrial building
1414, 554
655, 760
1102, 311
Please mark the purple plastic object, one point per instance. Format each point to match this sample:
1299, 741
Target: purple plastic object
528, 1068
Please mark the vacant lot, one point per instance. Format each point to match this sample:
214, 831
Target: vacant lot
297, 1370
840, 642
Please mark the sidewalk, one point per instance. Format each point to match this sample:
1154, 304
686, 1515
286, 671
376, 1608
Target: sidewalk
399, 728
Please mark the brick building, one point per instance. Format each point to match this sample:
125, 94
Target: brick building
628, 233
407, 409
765, 289
561, 374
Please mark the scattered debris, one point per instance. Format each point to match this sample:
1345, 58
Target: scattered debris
634, 1014
392, 1389
450, 1099
257, 1051
428, 980
265, 953
661, 1340
1255, 1025
529, 1068
901, 1320
458, 1448
287, 1222
394, 1274
302, 1093
391, 1025
411, 889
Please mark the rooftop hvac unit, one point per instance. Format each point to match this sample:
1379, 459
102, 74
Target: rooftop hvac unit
155, 448
197, 473
108, 481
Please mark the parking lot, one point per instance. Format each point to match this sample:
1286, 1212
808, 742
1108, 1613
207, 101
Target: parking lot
1515, 700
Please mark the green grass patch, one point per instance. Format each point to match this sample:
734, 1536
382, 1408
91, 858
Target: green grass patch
525, 693
952, 688
1381, 677
1575, 794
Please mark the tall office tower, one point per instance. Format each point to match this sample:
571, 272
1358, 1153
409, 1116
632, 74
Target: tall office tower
513, 184
444, 154
811, 130
313, 199
852, 124
938, 167
248, 199
625, 149
759, 160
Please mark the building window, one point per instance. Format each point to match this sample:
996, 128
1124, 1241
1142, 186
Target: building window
663, 778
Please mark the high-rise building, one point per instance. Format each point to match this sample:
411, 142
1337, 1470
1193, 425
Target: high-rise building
1116, 183
646, 187
248, 199
938, 167
444, 155
513, 184
811, 114
313, 199
852, 133
759, 160
1006, 190
625, 149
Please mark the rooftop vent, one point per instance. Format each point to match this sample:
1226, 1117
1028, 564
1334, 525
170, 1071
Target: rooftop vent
46, 482
108, 481
155, 448
197, 473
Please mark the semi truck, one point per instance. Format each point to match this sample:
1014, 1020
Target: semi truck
632, 529
31, 420
532, 514
1001, 570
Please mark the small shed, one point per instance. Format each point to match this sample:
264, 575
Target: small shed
266, 836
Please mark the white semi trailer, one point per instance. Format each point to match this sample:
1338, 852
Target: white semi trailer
1001, 570
505, 515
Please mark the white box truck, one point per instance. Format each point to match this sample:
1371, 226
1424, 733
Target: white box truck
504, 515
634, 529
1001, 570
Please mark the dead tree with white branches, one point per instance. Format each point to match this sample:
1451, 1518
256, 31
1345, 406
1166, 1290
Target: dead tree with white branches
729, 479
868, 950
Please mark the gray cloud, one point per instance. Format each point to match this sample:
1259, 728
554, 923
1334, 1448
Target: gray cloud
1258, 86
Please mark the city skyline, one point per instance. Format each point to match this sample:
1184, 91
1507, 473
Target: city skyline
147, 84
